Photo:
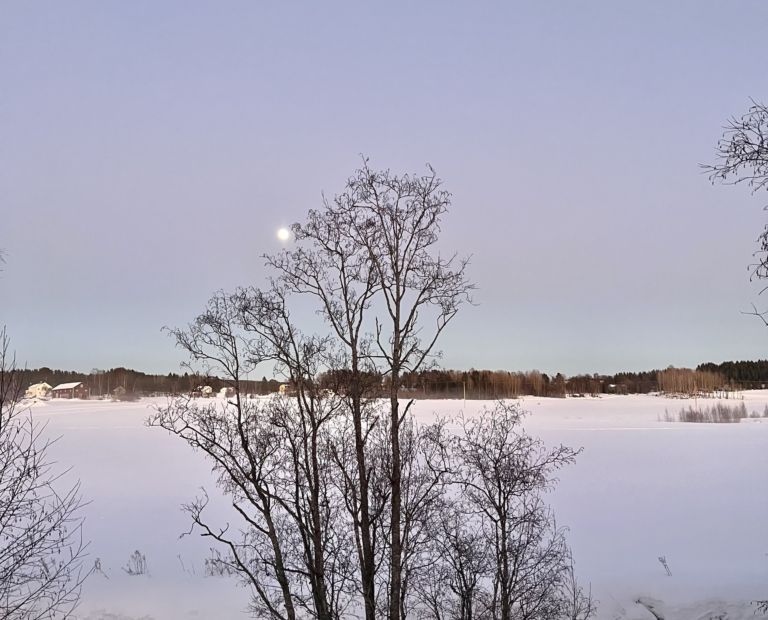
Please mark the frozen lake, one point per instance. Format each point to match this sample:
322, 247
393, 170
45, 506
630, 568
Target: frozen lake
642, 488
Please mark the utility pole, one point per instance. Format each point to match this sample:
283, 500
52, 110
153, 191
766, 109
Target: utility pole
464, 383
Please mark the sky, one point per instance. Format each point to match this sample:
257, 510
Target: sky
149, 152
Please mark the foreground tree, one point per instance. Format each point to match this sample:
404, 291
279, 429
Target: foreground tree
41, 545
742, 155
503, 473
375, 242
343, 496
743, 158
288, 464
273, 458
498, 553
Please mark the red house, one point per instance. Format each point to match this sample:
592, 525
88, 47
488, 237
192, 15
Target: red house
71, 390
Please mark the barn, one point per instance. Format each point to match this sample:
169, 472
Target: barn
71, 390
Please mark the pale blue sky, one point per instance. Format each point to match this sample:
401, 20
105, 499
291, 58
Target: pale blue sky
149, 151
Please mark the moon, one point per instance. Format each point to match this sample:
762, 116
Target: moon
283, 234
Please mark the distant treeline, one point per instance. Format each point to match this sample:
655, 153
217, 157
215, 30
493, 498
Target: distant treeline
743, 372
487, 384
472, 384
104, 382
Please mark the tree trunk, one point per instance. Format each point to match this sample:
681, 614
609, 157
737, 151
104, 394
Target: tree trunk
397, 544
368, 568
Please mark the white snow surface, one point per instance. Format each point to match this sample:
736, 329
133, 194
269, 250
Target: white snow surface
641, 488
64, 386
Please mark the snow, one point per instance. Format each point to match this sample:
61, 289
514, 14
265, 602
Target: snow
67, 386
642, 488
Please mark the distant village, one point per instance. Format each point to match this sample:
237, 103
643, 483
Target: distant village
122, 384
79, 390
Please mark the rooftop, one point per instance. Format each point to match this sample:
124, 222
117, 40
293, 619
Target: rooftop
67, 386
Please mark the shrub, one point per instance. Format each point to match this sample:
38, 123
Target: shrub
719, 413
137, 565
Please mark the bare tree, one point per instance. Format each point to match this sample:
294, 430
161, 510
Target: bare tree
576, 604
341, 277
480, 542
273, 458
743, 158
743, 150
453, 588
344, 500
503, 473
742, 155
376, 242
497, 552
41, 544
427, 473
396, 220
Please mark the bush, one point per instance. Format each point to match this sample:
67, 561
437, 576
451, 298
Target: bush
719, 413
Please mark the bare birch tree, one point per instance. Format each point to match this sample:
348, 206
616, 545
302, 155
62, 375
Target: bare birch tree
335, 271
742, 155
348, 506
375, 242
273, 458
503, 473
41, 544
743, 158
455, 586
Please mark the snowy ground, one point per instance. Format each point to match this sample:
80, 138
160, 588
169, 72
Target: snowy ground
642, 488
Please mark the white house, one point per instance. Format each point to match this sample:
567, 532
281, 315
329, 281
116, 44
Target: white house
38, 390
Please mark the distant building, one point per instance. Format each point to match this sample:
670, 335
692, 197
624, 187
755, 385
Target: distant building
38, 390
71, 390
202, 391
287, 389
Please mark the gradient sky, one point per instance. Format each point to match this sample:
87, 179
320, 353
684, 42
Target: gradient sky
149, 151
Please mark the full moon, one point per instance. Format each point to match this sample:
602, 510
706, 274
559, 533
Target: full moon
283, 234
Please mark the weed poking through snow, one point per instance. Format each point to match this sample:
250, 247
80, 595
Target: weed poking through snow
663, 560
137, 565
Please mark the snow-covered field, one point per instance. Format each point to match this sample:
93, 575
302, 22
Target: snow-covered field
642, 488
